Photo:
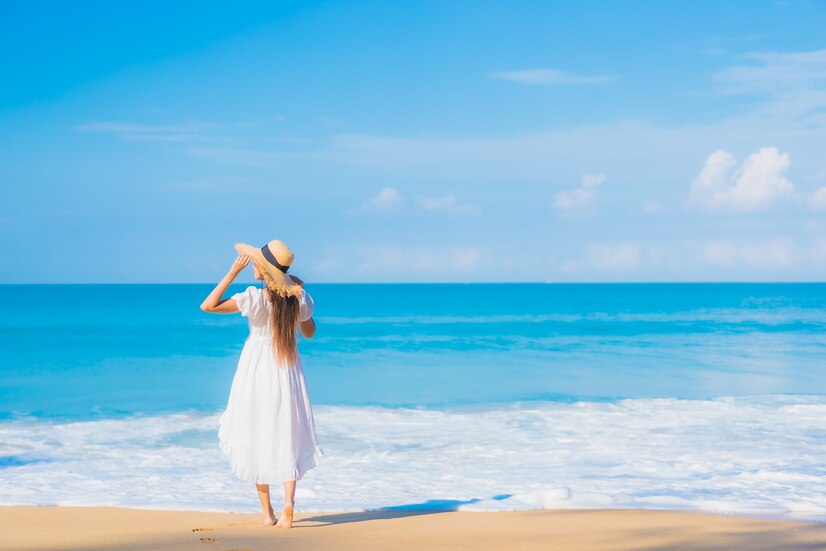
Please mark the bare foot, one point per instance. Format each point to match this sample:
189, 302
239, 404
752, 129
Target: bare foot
286, 520
270, 519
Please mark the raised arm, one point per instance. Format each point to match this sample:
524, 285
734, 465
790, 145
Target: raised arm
213, 302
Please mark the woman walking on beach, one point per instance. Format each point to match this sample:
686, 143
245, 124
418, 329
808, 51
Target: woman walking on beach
267, 429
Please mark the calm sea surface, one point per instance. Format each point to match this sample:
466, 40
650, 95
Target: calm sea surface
87, 351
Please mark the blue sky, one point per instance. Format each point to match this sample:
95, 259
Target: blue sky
414, 141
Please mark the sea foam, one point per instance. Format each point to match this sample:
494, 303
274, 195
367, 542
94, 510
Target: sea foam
760, 455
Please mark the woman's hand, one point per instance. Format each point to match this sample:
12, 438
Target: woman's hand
213, 300
240, 263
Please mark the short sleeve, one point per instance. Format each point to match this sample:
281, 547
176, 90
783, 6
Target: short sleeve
305, 306
247, 300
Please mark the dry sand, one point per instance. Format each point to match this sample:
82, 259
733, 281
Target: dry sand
112, 528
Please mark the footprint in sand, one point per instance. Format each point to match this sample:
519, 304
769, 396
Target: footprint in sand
203, 529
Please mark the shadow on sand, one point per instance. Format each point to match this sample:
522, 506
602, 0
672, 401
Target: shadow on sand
428, 507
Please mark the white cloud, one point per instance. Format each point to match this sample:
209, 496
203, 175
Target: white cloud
388, 198
447, 204
817, 200
550, 77
669, 256
402, 260
730, 253
817, 252
652, 207
614, 256
592, 180
404, 263
582, 197
694, 259
754, 186
720, 253
391, 199
573, 199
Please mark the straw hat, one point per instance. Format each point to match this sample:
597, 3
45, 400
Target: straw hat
273, 261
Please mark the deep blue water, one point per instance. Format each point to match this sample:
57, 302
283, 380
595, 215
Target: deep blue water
86, 351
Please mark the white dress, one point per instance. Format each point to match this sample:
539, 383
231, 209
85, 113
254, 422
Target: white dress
267, 429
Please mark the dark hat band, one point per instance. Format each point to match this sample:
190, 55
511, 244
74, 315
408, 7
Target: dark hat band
265, 250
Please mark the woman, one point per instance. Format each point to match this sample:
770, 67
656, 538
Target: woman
267, 429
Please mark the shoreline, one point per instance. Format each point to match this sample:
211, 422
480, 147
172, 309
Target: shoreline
648, 454
815, 518
38, 528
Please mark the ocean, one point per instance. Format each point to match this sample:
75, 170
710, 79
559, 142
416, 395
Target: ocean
704, 396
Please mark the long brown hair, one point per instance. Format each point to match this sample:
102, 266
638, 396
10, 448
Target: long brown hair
284, 320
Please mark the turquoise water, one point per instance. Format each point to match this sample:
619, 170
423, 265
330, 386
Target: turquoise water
92, 351
705, 397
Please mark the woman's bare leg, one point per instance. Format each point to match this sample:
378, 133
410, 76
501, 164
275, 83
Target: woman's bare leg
286, 520
264, 496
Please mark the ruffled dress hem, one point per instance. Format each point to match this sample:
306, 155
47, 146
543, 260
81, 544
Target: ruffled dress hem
275, 476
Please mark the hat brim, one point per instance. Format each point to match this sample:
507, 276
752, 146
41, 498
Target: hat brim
275, 279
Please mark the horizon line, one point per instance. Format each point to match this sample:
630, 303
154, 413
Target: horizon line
643, 282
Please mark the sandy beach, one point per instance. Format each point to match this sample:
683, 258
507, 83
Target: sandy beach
91, 528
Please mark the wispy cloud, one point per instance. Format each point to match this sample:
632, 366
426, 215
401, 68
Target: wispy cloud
768, 253
187, 132
550, 77
391, 200
579, 198
388, 199
785, 86
241, 156
332, 121
404, 263
771, 72
817, 200
614, 256
622, 256
422, 259
653, 207
447, 204
719, 256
